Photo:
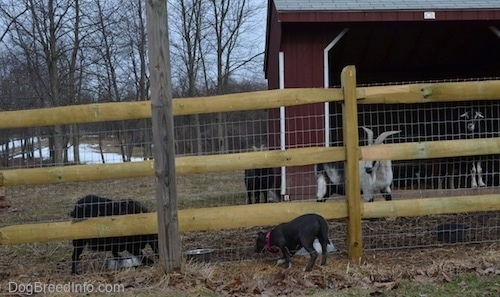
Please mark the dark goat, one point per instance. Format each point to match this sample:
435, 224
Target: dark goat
94, 206
258, 181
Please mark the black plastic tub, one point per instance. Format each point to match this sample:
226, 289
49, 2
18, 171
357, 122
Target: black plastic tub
451, 232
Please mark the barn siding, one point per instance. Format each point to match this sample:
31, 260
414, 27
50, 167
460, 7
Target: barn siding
271, 68
302, 36
303, 53
273, 42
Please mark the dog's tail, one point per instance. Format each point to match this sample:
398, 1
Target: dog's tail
323, 234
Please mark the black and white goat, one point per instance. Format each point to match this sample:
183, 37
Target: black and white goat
473, 120
450, 169
375, 176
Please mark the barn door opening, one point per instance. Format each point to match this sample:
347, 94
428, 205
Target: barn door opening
326, 69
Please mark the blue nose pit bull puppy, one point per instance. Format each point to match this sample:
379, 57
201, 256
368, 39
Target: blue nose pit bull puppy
290, 237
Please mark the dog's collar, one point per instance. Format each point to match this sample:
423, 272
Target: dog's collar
268, 247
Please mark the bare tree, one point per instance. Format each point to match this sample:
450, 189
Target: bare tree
72, 81
138, 57
67, 48
9, 19
41, 33
211, 45
111, 50
189, 30
228, 20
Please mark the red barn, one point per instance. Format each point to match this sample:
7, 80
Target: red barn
308, 42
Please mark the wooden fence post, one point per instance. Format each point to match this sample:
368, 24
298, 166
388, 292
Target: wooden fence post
351, 144
163, 135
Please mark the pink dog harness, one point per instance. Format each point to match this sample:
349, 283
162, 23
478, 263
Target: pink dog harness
268, 247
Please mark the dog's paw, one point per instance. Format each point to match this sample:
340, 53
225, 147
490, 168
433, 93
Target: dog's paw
284, 263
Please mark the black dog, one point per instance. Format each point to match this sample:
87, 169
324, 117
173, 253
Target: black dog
94, 206
290, 237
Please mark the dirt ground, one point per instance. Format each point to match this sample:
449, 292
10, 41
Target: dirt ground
377, 272
394, 250
235, 270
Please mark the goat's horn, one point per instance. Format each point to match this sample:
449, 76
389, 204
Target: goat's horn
384, 135
369, 133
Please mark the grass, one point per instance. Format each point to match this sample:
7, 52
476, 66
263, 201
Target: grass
469, 285
462, 285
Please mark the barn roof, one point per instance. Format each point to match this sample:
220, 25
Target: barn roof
385, 10
370, 5
431, 34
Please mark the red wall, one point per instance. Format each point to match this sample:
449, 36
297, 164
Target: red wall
303, 47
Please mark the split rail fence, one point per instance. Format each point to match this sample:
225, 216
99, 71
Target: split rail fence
228, 217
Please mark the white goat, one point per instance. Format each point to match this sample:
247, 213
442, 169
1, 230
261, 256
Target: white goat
375, 176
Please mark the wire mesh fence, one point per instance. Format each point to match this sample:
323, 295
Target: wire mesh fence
131, 141
117, 142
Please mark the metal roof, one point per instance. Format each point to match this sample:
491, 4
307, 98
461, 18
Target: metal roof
353, 5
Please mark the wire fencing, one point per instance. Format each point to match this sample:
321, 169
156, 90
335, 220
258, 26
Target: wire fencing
235, 132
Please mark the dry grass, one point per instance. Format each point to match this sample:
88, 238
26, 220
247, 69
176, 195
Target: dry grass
235, 270
378, 272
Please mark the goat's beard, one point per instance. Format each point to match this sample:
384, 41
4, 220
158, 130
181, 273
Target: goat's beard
322, 186
373, 172
373, 176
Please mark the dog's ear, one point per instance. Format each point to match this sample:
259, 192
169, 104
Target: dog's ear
261, 236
